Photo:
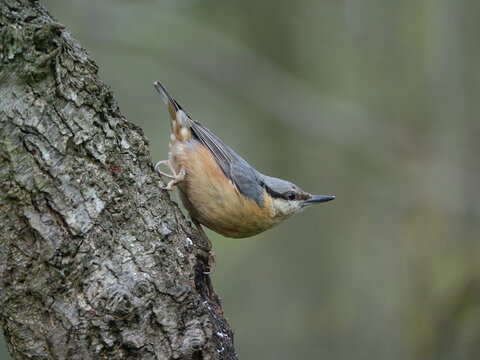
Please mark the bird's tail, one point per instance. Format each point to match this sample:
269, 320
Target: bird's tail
180, 121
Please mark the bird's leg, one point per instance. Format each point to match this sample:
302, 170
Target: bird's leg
207, 242
175, 178
205, 251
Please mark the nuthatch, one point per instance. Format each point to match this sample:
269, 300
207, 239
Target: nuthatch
221, 190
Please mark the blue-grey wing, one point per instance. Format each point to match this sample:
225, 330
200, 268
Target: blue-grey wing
221, 152
246, 178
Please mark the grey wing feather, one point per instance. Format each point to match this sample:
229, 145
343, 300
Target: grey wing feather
246, 178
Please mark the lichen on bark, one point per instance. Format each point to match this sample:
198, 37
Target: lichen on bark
96, 262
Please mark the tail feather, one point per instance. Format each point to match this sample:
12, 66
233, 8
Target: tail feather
167, 98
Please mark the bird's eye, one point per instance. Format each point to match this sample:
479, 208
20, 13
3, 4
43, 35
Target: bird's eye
291, 195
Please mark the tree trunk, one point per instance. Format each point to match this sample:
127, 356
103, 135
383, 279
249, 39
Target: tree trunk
96, 262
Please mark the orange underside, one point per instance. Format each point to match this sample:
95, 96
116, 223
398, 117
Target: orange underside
213, 200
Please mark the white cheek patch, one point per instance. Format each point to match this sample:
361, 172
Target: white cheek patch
285, 207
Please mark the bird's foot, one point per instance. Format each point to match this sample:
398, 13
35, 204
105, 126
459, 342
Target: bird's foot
208, 258
175, 178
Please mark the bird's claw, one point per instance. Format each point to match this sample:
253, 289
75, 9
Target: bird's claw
175, 178
212, 264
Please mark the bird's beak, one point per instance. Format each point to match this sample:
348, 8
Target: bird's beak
318, 199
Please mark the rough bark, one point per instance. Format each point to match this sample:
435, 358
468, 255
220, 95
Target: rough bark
96, 262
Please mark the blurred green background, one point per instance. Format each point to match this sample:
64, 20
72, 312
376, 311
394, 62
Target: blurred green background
374, 101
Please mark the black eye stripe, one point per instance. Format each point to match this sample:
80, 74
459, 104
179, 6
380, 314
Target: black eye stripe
277, 195
273, 193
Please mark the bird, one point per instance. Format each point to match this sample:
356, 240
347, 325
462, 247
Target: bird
219, 189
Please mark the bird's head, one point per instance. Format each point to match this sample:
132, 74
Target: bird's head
288, 199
